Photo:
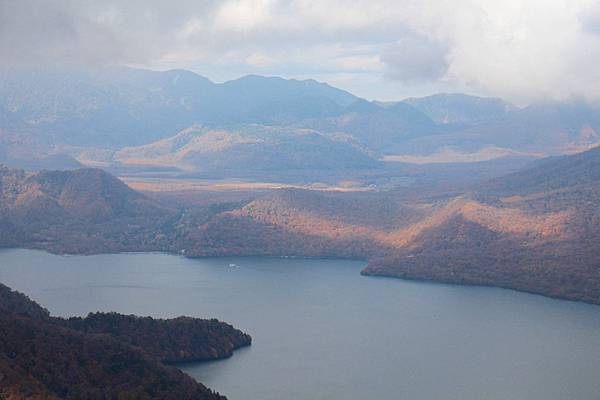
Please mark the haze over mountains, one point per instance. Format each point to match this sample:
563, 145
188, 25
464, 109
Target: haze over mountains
67, 117
461, 108
120, 106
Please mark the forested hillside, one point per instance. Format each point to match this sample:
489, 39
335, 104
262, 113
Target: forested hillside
104, 355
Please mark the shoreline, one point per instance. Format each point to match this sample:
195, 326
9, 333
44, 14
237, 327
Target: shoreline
364, 272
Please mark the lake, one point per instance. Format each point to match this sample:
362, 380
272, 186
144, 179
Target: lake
322, 331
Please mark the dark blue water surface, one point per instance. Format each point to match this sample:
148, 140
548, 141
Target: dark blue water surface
322, 331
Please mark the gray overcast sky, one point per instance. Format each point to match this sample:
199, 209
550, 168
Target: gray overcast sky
378, 49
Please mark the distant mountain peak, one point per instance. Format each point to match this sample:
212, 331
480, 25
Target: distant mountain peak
446, 108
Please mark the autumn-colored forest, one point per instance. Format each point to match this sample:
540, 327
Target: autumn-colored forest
535, 230
103, 356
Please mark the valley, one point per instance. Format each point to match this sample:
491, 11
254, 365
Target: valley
533, 230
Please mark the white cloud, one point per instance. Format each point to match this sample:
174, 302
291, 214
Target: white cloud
520, 49
416, 59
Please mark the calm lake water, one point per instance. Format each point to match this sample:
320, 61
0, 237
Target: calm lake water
322, 331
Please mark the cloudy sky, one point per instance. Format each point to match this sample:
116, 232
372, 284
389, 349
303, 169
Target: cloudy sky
379, 49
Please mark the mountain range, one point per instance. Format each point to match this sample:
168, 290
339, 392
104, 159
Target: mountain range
114, 107
58, 118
